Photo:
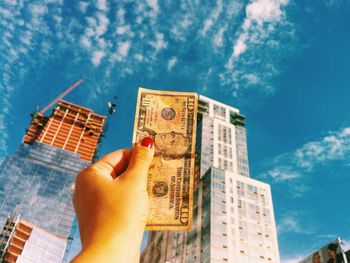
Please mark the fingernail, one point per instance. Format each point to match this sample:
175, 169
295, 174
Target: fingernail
147, 142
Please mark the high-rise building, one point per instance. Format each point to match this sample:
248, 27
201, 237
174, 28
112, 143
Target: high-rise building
233, 217
39, 176
28, 243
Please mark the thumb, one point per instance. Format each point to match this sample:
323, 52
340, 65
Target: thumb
141, 158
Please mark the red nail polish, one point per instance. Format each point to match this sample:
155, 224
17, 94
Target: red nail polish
147, 142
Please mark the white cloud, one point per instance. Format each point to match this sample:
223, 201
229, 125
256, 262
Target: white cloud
204, 87
258, 12
6, 13
58, 19
120, 16
209, 22
16, 42
97, 56
123, 49
83, 6
261, 11
159, 42
3, 128
181, 27
85, 42
251, 78
38, 10
103, 23
240, 46
94, 34
171, 63
124, 30
102, 43
154, 5
101, 5
332, 147
186, 22
89, 32
219, 37
92, 22
291, 165
139, 57
46, 47
11, 2
291, 223
282, 173
121, 30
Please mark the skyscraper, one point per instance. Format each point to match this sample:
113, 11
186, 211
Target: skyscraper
39, 177
233, 218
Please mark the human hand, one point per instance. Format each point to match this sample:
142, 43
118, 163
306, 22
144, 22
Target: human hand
111, 203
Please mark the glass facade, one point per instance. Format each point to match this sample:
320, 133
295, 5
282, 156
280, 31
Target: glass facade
39, 179
241, 151
205, 135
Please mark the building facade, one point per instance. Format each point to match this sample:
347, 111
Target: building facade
233, 217
28, 243
38, 178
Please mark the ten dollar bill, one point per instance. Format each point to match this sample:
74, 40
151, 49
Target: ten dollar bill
170, 118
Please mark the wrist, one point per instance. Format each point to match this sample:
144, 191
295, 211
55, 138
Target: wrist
122, 247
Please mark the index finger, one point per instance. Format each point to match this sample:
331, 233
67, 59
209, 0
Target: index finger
115, 163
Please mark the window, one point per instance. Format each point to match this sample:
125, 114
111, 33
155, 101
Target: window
218, 228
251, 188
218, 196
240, 184
218, 206
219, 111
218, 186
242, 213
219, 253
241, 203
219, 240
231, 190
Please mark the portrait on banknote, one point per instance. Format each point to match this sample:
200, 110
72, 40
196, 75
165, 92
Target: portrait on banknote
168, 145
170, 119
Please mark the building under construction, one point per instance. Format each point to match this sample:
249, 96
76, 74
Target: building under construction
39, 177
70, 127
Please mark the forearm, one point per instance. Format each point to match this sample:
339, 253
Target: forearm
112, 211
124, 248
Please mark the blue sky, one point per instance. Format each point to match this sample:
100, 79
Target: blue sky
284, 63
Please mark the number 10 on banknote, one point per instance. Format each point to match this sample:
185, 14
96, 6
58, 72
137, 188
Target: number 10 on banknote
170, 118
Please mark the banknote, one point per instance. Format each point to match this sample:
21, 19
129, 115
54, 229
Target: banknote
170, 118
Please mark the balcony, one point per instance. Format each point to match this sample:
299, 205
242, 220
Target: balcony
237, 119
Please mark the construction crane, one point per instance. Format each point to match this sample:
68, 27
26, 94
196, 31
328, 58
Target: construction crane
60, 97
39, 119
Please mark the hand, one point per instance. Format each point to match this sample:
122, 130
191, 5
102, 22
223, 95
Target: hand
111, 203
